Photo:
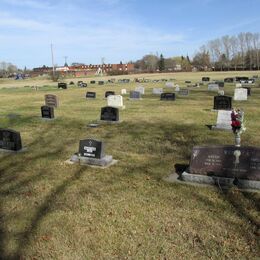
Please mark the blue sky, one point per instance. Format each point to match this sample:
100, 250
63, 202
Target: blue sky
118, 30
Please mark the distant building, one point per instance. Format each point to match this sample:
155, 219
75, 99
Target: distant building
84, 70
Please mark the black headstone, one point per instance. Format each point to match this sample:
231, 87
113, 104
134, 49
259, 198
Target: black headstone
91, 148
229, 80
47, 112
241, 78
91, 94
226, 161
187, 81
205, 79
92, 82
109, 114
10, 140
62, 85
101, 82
222, 103
109, 93
221, 84
168, 96
79, 83
248, 90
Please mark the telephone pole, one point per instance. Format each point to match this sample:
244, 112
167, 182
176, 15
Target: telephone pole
52, 59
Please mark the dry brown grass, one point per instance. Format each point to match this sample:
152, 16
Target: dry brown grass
51, 210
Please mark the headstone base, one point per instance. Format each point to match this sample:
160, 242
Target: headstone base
221, 127
106, 160
24, 149
219, 181
109, 122
134, 99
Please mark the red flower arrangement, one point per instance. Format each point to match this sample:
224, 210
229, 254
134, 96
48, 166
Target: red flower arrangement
236, 120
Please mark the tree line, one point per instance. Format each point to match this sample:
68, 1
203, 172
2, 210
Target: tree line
240, 52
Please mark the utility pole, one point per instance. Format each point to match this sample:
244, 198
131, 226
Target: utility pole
52, 59
65, 58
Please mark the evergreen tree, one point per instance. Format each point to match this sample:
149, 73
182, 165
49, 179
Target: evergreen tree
161, 63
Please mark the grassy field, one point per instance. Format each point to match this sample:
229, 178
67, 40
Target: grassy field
52, 210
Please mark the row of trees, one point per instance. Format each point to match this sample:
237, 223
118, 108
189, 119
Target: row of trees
7, 68
240, 52
152, 63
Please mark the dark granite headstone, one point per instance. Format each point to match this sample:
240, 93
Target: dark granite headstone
135, 95
187, 81
62, 85
229, 80
91, 148
241, 78
205, 79
168, 96
71, 83
101, 82
83, 85
92, 82
109, 114
222, 103
10, 140
91, 94
183, 92
221, 84
51, 100
248, 90
226, 161
79, 83
47, 112
109, 93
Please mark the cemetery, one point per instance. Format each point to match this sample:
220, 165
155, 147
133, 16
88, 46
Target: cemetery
159, 179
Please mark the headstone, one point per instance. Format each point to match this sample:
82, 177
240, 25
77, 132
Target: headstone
157, 91
226, 161
91, 152
238, 85
187, 81
51, 100
168, 96
221, 84
229, 80
101, 82
183, 92
222, 103
135, 95
108, 93
223, 120
83, 85
10, 140
213, 87
71, 83
241, 78
90, 94
177, 88
221, 92
123, 91
248, 90
47, 112
62, 85
205, 79
240, 94
91, 148
79, 83
140, 89
92, 82
115, 101
109, 114
169, 84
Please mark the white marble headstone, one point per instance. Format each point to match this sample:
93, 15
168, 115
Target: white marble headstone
238, 85
240, 94
123, 91
169, 84
213, 87
140, 89
224, 120
177, 88
115, 101
157, 91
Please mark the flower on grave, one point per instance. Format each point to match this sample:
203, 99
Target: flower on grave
237, 121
